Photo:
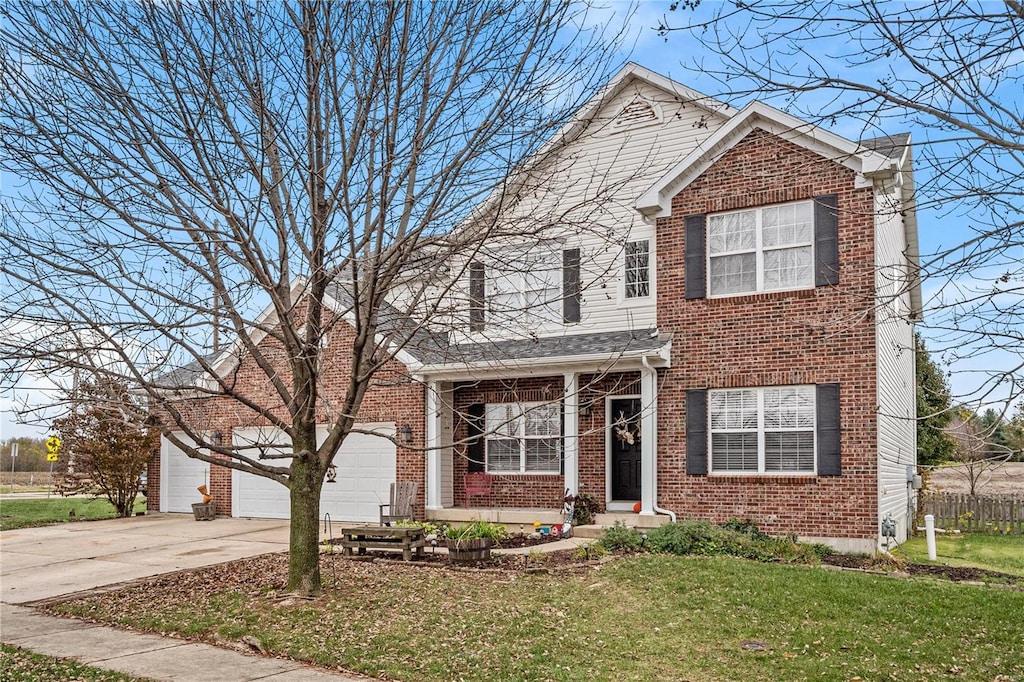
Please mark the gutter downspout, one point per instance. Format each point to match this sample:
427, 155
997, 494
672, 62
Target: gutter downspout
653, 373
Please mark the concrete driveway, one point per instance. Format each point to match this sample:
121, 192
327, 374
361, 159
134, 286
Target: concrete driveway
39, 563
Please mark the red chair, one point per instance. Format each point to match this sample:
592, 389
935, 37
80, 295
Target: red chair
479, 483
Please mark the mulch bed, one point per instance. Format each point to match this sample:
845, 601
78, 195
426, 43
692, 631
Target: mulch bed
954, 573
546, 561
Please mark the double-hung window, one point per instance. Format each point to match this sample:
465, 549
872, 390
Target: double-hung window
523, 438
638, 270
762, 430
761, 249
526, 286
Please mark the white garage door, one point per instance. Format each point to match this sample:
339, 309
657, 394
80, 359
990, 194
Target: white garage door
366, 469
180, 475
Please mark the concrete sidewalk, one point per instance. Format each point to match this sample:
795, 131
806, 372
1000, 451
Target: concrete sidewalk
144, 655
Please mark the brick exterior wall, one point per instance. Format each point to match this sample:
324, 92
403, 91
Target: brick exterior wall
542, 491
812, 336
393, 397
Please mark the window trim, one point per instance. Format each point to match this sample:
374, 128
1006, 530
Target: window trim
759, 250
626, 269
520, 435
761, 433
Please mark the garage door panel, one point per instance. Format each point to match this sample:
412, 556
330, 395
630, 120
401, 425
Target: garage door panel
180, 476
366, 469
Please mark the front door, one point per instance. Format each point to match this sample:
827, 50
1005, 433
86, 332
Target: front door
624, 432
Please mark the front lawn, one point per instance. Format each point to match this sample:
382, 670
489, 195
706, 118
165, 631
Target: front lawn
42, 512
648, 617
1003, 553
18, 665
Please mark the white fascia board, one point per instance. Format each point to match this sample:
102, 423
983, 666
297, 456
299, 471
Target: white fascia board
657, 201
400, 354
605, 362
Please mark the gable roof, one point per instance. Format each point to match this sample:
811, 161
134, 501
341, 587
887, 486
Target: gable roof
657, 200
581, 120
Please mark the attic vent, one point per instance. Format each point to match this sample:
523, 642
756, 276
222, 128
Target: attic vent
637, 112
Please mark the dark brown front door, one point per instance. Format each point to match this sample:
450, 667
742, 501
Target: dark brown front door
624, 432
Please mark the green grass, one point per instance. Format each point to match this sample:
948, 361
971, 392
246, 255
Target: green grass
18, 665
649, 617
42, 512
1003, 553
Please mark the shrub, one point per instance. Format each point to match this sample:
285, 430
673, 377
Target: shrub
619, 538
585, 509
686, 537
739, 538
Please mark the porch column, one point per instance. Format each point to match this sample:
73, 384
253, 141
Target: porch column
571, 435
648, 440
433, 445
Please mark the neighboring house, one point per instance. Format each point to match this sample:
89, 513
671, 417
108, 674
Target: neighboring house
735, 340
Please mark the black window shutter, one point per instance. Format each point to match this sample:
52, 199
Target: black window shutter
476, 296
474, 432
571, 285
826, 240
695, 257
697, 432
827, 406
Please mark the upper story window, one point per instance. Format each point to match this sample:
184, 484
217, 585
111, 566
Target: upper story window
527, 286
638, 270
762, 430
523, 438
761, 249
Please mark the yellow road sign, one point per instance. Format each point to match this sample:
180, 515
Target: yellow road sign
51, 457
52, 447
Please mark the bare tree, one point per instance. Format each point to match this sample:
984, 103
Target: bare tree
200, 178
949, 69
974, 454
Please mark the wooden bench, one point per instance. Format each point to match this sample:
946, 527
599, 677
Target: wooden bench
361, 538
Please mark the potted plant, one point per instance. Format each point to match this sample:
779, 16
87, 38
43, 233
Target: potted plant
472, 542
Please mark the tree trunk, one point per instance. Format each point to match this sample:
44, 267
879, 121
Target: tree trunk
304, 543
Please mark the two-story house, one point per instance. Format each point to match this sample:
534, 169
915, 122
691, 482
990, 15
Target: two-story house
719, 325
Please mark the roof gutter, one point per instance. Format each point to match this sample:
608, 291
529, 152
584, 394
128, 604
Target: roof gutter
662, 358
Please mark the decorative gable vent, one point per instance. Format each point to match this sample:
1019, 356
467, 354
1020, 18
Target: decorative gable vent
638, 112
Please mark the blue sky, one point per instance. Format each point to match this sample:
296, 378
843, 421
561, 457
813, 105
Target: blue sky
677, 56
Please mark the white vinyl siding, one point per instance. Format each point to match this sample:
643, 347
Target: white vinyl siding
762, 430
894, 343
594, 200
761, 249
523, 438
637, 275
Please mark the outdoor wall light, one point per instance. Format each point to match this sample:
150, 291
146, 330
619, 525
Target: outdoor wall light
216, 437
332, 474
405, 434
585, 409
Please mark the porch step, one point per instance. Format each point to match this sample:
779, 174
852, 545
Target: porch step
603, 522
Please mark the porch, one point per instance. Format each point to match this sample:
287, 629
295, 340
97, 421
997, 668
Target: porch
600, 438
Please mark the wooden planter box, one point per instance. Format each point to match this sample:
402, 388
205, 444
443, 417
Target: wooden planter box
204, 512
469, 551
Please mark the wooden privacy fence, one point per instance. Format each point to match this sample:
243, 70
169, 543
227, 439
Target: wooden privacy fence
975, 514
